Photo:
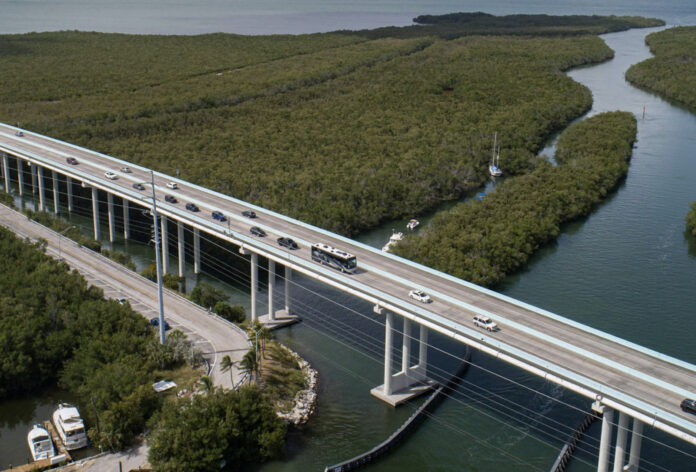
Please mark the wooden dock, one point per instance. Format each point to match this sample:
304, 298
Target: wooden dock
57, 442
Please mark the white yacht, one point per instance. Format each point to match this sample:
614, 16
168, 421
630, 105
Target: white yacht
70, 426
412, 224
40, 443
393, 239
493, 168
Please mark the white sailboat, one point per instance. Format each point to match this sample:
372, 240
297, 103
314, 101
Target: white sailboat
40, 443
493, 168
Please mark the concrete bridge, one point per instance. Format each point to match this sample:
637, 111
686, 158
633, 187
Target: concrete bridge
638, 385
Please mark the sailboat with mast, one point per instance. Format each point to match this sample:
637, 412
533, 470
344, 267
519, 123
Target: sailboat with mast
493, 168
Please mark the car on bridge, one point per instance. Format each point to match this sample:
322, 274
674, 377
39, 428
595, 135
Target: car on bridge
155, 322
172, 185
256, 231
689, 405
249, 214
192, 207
138, 186
170, 199
217, 215
19, 134
486, 323
110, 175
71, 160
420, 295
126, 170
287, 242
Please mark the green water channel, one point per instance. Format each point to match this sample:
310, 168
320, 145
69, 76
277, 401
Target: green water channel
628, 269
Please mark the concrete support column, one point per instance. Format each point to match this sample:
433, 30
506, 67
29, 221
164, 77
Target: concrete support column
126, 219
605, 438
271, 289
33, 178
165, 245
621, 435
42, 197
56, 197
196, 251
180, 243
388, 325
254, 283
422, 351
6, 171
112, 223
70, 196
636, 443
288, 281
95, 212
20, 176
406, 347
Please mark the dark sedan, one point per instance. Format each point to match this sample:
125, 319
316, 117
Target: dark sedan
256, 231
170, 199
155, 322
287, 242
192, 207
217, 215
249, 214
71, 160
139, 186
689, 405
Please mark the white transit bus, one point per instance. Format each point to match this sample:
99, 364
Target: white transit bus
339, 260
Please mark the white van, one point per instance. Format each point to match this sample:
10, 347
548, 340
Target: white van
485, 322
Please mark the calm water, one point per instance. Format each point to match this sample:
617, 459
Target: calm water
619, 270
291, 16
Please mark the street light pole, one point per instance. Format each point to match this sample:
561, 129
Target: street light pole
158, 258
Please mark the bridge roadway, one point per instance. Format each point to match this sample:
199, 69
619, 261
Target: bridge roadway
643, 383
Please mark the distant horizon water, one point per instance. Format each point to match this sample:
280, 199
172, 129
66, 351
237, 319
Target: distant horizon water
254, 17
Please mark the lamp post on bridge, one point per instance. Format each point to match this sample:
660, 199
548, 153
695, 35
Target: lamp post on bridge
158, 257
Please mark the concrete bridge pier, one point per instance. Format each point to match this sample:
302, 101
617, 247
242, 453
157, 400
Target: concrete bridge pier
95, 212
6, 171
33, 178
277, 318
196, 251
410, 381
288, 282
620, 449
56, 197
606, 435
20, 176
126, 219
112, 222
636, 443
42, 197
165, 245
621, 439
253, 282
70, 194
181, 247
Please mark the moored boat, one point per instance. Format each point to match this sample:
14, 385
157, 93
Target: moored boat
393, 239
70, 427
412, 224
40, 443
493, 168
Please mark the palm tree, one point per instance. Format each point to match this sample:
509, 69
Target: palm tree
249, 364
207, 384
226, 364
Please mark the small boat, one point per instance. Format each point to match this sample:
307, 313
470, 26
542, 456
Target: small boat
393, 239
479, 196
70, 426
412, 224
493, 168
40, 443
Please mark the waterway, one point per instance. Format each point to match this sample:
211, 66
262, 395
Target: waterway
627, 269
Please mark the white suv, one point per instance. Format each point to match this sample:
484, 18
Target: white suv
485, 322
172, 185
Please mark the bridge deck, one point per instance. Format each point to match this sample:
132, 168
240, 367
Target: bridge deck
644, 381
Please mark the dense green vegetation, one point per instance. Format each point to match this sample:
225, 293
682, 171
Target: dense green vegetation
339, 129
483, 241
217, 431
691, 219
672, 72
53, 327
